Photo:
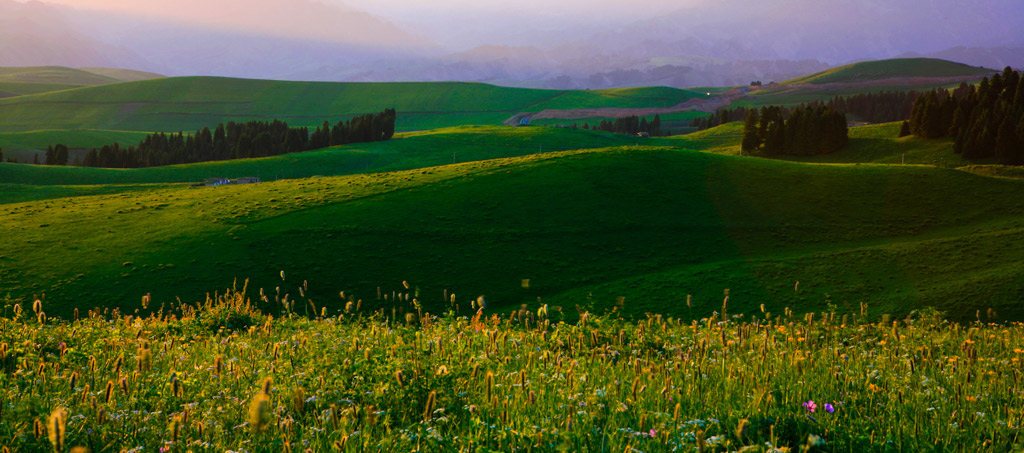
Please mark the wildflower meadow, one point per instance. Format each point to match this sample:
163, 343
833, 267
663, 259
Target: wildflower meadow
259, 373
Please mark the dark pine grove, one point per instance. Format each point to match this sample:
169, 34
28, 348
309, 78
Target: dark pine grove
238, 141
631, 125
807, 131
986, 121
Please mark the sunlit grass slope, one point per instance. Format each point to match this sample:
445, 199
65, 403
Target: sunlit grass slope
405, 151
188, 103
53, 74
897, 67
586, 227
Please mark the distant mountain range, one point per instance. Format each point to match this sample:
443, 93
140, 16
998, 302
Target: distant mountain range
693, 46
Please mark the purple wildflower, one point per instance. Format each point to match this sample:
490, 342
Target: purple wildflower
829, 408
810, 406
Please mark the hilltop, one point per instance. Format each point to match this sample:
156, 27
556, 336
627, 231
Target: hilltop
651, 224
893, 68
20, 81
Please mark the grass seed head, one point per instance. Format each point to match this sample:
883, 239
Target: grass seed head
56, 427
259, 412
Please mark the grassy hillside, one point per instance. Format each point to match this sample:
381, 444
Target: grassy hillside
873, 144
54, 74
189, 103
20, 81
586, 227
897, 67
405, 151
11, 89
123, 75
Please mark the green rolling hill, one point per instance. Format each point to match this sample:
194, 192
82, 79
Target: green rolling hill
123, 75
897, 67
21, 81
189, 103
651, 224
54, 74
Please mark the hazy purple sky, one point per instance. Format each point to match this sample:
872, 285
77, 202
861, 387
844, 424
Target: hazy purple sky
463, 24
295, 37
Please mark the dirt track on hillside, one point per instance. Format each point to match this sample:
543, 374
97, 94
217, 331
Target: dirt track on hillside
710, 104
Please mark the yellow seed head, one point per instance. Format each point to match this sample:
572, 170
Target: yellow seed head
428, 411
299, 400
340, 444
489, 380
56, 427
259, 412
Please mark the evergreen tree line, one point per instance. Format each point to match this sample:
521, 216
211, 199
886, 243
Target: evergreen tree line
808, 130
239, 141
631, 125
882, 107
723, 116
985, 121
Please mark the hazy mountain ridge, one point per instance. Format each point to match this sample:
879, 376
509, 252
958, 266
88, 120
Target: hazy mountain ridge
727, 43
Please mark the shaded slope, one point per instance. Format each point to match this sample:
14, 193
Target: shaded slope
650, 224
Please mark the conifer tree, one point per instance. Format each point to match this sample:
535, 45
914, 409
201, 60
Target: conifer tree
905, 129
751, 140
1006, 143
60, 155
